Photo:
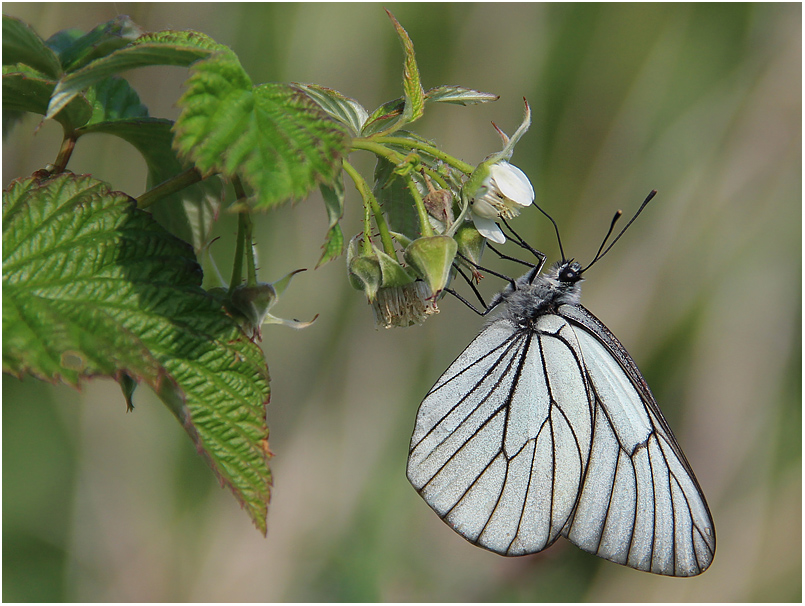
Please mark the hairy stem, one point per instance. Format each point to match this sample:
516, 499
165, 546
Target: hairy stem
422, 213
370, 200
413, 144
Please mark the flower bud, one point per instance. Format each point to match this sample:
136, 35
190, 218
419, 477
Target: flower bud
363, 270
471, 243
432, 259
393, 273
252, 303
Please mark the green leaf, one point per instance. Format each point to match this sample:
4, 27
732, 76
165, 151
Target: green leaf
201, 204
115, 99
93, 286
333, 245
414, 94
273, 136
27, 90
344, 109
62, 40
394, 197
334, 203
101, 41
382, 117
21, 44
458, 95
159, 48
188, 213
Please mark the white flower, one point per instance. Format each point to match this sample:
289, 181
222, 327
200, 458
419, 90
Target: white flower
504, 192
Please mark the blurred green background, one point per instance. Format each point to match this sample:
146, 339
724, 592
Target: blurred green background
702, 102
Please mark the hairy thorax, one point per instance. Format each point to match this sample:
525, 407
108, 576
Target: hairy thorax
535, 296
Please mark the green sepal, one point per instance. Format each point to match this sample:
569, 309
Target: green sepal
127, 386
432, 259
363, 270
471, 243
394, 274
252, 304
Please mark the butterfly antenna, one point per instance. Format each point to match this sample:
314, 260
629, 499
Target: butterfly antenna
555, 228
617, 216
523, 244
599, 255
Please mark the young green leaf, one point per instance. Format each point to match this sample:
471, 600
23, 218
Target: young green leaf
414, 94
63, 40
273, 136
92, 286
101, 41
344, 109
382, 117
159, 48
458, 95
21, 44
27, 90
395, 198
334, 203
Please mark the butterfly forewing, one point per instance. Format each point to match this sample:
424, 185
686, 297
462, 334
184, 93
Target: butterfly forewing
513, 442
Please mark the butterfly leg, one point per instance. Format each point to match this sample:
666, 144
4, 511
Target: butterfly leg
467, 303
472, 285
486, 308
523, 244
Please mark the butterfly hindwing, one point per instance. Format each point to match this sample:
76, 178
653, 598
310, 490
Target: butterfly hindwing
640, 504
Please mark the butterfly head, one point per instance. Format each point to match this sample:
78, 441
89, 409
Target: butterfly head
564, 282
568, 272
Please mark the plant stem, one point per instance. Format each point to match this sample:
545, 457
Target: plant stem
377, 149
370, 200
244, 235
413, 144
237, 266
168, 187
422, 213
251, 269
67, 147
396, 157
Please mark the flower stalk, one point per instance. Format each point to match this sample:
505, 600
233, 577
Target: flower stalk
422, 213
370, 202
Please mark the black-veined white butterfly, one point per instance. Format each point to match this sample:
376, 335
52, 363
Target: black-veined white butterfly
544, 427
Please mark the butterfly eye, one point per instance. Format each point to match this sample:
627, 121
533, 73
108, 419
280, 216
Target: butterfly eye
569, 274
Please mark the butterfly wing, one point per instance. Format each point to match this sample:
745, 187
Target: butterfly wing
640, 504
502, 439
535, 433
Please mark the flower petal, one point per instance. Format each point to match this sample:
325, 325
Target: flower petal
512, 183
489, 229
482, 207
